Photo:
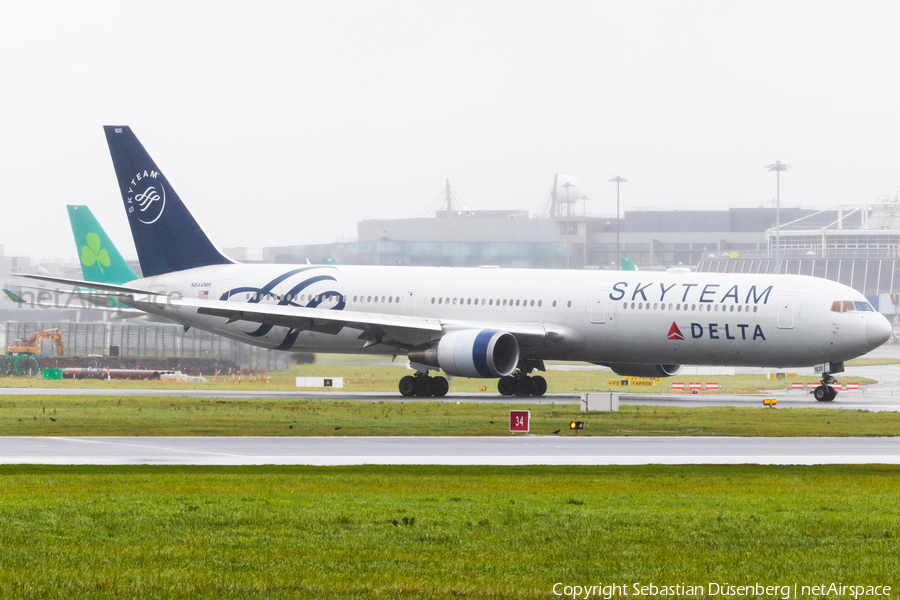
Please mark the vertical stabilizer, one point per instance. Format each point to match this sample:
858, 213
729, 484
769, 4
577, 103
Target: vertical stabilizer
166, 236
101, 261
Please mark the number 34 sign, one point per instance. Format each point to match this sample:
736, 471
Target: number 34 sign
519, 420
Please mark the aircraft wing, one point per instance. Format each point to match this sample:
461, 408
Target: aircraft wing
402, 329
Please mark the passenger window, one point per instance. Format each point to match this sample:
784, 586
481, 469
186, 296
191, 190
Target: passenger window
539, 303
491, 302
569, 304
554, 304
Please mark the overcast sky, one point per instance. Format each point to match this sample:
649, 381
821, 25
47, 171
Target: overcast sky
287, 122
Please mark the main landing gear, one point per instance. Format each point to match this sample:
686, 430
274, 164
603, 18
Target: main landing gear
421, 384
520, 384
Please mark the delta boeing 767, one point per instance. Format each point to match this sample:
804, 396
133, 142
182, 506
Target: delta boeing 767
480, 322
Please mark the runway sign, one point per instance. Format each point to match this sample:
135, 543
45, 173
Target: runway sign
519, 420
318, 382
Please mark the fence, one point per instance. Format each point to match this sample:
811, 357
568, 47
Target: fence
149, 341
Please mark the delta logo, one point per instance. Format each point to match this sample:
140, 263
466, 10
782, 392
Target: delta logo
717, 331
674, 333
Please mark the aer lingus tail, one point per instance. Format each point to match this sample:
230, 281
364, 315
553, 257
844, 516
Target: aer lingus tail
101, 261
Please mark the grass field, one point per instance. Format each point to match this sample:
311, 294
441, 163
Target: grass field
368, 378
180, 416
438, 532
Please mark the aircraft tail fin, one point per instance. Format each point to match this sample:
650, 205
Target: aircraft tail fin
100, 259
166, 236
628, 264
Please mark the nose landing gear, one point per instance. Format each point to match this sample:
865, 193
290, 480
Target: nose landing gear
422, 385
826, 393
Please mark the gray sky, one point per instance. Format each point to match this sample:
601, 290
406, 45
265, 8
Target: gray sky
287, 122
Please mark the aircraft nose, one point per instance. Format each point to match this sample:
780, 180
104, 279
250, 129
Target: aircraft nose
878, 330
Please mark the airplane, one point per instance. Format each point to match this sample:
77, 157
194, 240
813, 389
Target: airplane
101, 262
486, 322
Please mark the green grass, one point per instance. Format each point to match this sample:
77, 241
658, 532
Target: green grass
438, 532
369, 378
872, 362
182, 416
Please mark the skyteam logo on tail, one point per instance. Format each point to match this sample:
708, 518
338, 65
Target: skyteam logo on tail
146, 196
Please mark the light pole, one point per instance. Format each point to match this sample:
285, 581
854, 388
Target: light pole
617, 180
778, 167
567, 185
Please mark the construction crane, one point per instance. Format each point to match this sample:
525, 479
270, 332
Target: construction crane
20, 356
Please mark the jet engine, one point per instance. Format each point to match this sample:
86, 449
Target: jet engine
482, 353
644, 369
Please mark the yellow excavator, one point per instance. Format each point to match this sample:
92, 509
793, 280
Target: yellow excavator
20, 356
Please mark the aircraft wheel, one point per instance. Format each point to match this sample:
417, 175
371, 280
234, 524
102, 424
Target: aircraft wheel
832, 393
824, 393
439, 386
423, 386
408, 386
523, 386
538, 386
506, 386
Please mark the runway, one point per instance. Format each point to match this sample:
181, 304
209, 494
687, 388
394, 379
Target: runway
523, 450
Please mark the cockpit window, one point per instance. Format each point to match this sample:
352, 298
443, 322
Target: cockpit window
848, 305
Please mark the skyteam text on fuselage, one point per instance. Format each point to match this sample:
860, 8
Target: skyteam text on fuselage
480, 322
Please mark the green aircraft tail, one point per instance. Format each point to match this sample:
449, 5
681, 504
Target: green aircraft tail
628, 264
100, 260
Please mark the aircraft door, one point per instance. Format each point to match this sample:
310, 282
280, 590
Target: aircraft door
785, 319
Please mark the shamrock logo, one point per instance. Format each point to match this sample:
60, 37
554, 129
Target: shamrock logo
92, 253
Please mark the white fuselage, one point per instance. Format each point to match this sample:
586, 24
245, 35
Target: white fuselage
593, 316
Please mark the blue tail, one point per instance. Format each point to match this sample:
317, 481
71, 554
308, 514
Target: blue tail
166, 236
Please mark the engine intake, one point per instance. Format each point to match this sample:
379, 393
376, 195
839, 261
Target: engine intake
484, 353
644, 369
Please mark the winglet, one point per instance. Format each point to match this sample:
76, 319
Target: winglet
15, 298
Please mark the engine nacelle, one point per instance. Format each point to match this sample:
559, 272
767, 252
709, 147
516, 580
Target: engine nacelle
644, 369
484, 353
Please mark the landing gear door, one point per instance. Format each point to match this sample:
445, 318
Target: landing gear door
785, 318
598, 303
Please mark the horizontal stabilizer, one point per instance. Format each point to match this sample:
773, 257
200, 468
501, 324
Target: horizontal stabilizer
92, 285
